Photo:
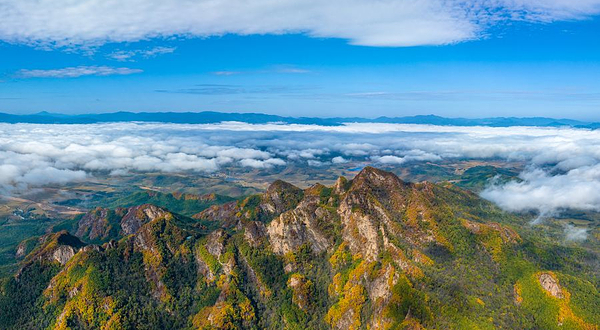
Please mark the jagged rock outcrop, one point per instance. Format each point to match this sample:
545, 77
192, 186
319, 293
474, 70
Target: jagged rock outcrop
507, 234
102, 224
57, 247
255, 233
279, 197
224, 214
21, 251
377, 206
139, 215
300, 226
215, 242
341, 186
302, 289
98, 223
63, 253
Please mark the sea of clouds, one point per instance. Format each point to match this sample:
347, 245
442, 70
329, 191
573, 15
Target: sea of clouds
563, 168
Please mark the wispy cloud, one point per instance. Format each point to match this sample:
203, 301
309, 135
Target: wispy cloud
218, 89
77, 71
226, 73
65, 23
461, 95
131, 55
284, 69
573, 233
292, 70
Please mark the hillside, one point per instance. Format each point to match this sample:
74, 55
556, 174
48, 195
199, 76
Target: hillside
186, 204
372, 252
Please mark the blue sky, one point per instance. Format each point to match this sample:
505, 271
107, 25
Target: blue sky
542, 61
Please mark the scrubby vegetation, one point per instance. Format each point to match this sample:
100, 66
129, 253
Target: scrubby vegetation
396, 256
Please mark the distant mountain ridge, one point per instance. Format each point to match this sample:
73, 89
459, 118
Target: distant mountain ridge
211, 117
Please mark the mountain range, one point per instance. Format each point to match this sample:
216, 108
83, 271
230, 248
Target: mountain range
373, 252
208, 117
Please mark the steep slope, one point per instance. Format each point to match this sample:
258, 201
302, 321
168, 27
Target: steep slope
373, 252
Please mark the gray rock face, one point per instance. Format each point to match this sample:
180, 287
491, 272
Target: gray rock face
143, 241
364, 218
279, 197
137, 216
21, 250
224, 214
203, 269
102, 223
255, 232
215, 243
94, 224
63, 254
299, 226
550, 284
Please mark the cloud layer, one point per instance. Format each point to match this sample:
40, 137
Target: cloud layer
60, 23
563, 164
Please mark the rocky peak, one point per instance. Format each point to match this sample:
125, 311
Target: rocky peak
280, 186
378, 206
375, 179
306, 223
56, 247
139, 215
225, 214
280, 197
96, 224
104, 224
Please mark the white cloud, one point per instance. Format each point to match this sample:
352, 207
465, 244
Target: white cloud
286, 69
316, 163
338, 160
262, 164
43, 176
412, 155
543, 192
66, 23
395, 160
78, 71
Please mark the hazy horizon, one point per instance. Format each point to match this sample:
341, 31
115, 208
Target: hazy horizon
590, 120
